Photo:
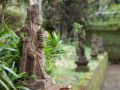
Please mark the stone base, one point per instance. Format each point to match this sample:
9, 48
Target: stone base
81, 62
94, 58
61, 87
41, 84
82, 68
94, 55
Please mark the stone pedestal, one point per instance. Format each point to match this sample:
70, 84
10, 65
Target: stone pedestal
61, 87
82, 68
41, 84
94, 56
82, 65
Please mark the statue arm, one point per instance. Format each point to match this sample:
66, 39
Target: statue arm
21, 31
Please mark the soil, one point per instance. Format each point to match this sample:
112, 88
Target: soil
112, 79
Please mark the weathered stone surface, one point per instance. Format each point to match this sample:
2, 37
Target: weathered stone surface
100, 45
82, 60
33, 60
41, 84
94, 48
82, 68
112, 78
61, 87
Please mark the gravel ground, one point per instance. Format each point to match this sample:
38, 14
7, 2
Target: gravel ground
112, 79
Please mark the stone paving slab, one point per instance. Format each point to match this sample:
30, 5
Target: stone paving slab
112, 78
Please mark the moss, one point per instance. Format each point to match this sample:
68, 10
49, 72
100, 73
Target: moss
98, 77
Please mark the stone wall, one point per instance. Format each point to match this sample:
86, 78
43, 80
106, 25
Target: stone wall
98, 77
111, 41
95, 83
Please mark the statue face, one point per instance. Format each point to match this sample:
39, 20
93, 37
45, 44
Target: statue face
35, 14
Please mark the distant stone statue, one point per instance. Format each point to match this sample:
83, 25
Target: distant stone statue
100, 45
82, 61
94, 48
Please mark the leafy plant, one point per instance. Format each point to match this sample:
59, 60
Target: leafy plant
77, 27
9, 58
52, 51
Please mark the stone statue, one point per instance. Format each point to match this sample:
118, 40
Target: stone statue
32, 58
32, 61
100, 45
94, 48
81, 62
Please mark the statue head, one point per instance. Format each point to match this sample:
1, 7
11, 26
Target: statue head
33, 14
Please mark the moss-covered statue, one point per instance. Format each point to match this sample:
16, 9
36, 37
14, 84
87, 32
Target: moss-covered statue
94, 47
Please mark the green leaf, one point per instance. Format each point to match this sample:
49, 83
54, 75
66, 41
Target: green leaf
4, 85
19, 76
7, 80
5, 30
22, 87
77, 27
5, 36
9, 70
7, 48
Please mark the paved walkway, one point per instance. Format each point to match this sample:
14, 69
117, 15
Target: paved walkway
112, 79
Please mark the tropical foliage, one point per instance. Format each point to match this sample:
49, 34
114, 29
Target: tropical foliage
9, 58
53, 51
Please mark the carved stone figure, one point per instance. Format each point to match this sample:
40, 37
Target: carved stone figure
32, 61
100, 45
94, 51
81, 62
32, 58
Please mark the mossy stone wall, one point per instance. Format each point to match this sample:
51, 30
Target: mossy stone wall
111, 41
98, 77
96, 82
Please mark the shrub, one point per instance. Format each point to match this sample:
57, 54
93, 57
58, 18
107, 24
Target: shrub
9, 58
53, 51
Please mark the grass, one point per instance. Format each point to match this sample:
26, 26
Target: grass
65, 73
